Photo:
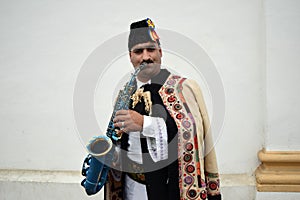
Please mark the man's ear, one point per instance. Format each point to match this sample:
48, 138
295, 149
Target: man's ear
160, 51
130, 56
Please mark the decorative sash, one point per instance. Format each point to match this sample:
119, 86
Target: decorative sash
191, 178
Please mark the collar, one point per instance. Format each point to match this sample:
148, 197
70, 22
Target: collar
140, 83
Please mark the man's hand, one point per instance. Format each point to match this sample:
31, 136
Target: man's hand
129, 120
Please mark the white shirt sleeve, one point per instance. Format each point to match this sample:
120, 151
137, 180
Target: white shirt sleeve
155, 131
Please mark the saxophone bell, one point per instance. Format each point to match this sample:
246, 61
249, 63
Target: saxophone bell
99, 146
97, 163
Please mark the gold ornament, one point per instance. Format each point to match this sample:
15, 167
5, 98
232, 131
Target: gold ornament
137, 97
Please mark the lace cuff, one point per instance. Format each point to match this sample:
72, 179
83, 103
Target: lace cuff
155, 131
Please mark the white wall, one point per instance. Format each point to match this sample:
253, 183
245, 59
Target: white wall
283, 70
45, 43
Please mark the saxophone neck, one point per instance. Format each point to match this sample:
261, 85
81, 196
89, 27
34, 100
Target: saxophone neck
132, 82
123, 101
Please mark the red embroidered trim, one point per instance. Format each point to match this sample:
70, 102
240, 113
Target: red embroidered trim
191, 183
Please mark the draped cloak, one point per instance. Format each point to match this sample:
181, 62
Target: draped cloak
191, 171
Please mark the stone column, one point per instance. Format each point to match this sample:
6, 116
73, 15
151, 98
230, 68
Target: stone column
280, 159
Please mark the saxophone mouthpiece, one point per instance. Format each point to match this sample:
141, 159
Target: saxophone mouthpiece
143, 65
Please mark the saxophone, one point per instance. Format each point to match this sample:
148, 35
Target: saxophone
97, 163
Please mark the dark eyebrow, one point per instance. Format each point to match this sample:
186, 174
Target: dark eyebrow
145, 47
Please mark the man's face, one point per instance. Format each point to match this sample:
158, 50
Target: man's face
150, 53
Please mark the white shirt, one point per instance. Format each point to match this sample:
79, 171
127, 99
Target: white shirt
155, 131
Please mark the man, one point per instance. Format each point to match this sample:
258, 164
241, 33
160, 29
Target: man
168, 150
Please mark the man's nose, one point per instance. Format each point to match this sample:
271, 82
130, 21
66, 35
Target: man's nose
146, 54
